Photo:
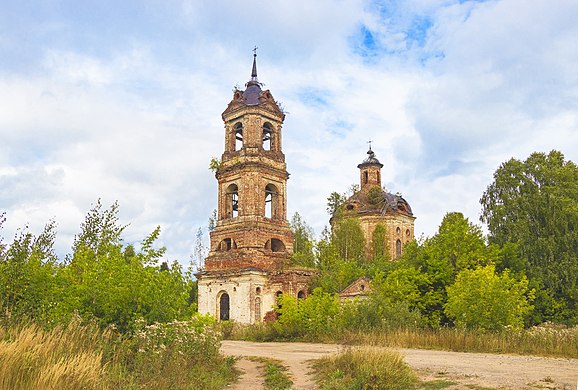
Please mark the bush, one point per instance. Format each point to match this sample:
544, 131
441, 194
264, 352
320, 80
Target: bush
364, 368
482, 299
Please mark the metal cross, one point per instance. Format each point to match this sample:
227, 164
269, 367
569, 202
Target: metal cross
369, 142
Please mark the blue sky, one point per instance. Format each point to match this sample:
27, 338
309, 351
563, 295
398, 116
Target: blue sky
122, 101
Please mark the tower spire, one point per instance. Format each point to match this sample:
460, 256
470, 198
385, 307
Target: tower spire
254, 70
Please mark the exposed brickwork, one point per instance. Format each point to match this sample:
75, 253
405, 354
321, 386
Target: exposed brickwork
252, 244
372, 205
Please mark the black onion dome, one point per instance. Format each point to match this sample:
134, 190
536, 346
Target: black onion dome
370, 160
253, 87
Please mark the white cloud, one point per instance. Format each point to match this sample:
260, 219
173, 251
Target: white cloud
138, 119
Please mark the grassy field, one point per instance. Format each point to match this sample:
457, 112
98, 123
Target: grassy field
178, 355
544, 340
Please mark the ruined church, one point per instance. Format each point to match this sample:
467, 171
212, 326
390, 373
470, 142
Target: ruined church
248, 265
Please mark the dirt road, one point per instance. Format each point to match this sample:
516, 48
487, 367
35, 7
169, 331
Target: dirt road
466, 370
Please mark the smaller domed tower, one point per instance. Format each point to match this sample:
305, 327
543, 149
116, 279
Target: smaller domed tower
372, 205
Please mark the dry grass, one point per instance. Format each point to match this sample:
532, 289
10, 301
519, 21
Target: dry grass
364, 368
544, 340
31, 358
176, 355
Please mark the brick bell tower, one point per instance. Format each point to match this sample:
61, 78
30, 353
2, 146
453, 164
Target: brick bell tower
251, 246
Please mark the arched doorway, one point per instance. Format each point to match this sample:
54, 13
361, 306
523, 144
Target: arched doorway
224, 307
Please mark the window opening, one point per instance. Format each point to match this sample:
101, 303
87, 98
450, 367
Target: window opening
224, 307
301, 294
365, 177
277, 245
398, 248
267, 136
271, 201
238, 136
232, 201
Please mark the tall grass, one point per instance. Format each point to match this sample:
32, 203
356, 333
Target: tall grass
72, 357
178, 355
544, 340
364, 368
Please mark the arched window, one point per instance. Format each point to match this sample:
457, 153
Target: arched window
258, 290
398, 231
271, 201
301, 294
277, 245
232, 201
365, 177
224, 307
398, 248
238, 136
267, 136
227, 244
257, 309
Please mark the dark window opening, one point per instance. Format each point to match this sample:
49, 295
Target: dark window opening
301, 294
398, 248
224, 307
267, 136
349, 207
238, 136
227, 244
277, 245
365, 177
232, 201
258, 290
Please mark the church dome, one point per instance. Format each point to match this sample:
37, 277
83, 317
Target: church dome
377, 200
370, 160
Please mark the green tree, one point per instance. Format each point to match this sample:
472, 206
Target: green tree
482, 299
423, 272
117, 284
534, 204
28, 268
348, 238
378, 242
336, 273
334, 203
313, 316
303, 241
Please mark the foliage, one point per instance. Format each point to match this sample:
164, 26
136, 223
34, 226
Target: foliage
311, 316
275, 374
482, 299
364, 368
28, 270
423, 272
176, 355
303, 242
102, 279
348, 239
334, 203
215, 164
378, 242
534, 203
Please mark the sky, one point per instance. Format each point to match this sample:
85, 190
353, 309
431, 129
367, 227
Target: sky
122, 101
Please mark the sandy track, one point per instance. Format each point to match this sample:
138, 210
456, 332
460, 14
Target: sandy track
466, 369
